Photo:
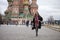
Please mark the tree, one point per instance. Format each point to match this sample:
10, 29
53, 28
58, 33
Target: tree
51, 20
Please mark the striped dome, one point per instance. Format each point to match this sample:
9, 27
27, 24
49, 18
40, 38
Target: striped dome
34, 5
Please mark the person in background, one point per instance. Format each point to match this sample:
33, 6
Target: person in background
1, 22
27, 23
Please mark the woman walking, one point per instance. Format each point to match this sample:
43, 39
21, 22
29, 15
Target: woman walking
37, 22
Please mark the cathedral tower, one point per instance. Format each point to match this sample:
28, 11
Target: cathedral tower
34, 7
15, 9
26, 8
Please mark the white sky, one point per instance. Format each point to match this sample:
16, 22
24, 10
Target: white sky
46, 8
49, 8
3, 6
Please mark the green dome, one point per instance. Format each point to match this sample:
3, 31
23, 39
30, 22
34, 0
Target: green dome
9, 0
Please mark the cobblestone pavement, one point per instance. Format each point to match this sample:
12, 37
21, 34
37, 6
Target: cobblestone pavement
21, 32
53, 27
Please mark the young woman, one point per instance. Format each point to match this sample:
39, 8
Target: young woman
37, 22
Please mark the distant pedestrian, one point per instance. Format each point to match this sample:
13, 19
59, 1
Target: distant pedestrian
1, 22
31, 22
27, 23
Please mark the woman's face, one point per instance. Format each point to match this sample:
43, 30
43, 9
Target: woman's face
36, 14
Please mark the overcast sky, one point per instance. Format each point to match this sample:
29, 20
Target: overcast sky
3, 6
49, 8
46, 8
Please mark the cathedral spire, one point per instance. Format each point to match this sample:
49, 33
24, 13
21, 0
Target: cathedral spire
34, 7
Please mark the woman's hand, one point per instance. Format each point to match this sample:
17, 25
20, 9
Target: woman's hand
39, 20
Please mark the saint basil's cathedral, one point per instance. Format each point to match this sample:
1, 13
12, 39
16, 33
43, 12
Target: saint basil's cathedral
21, 9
